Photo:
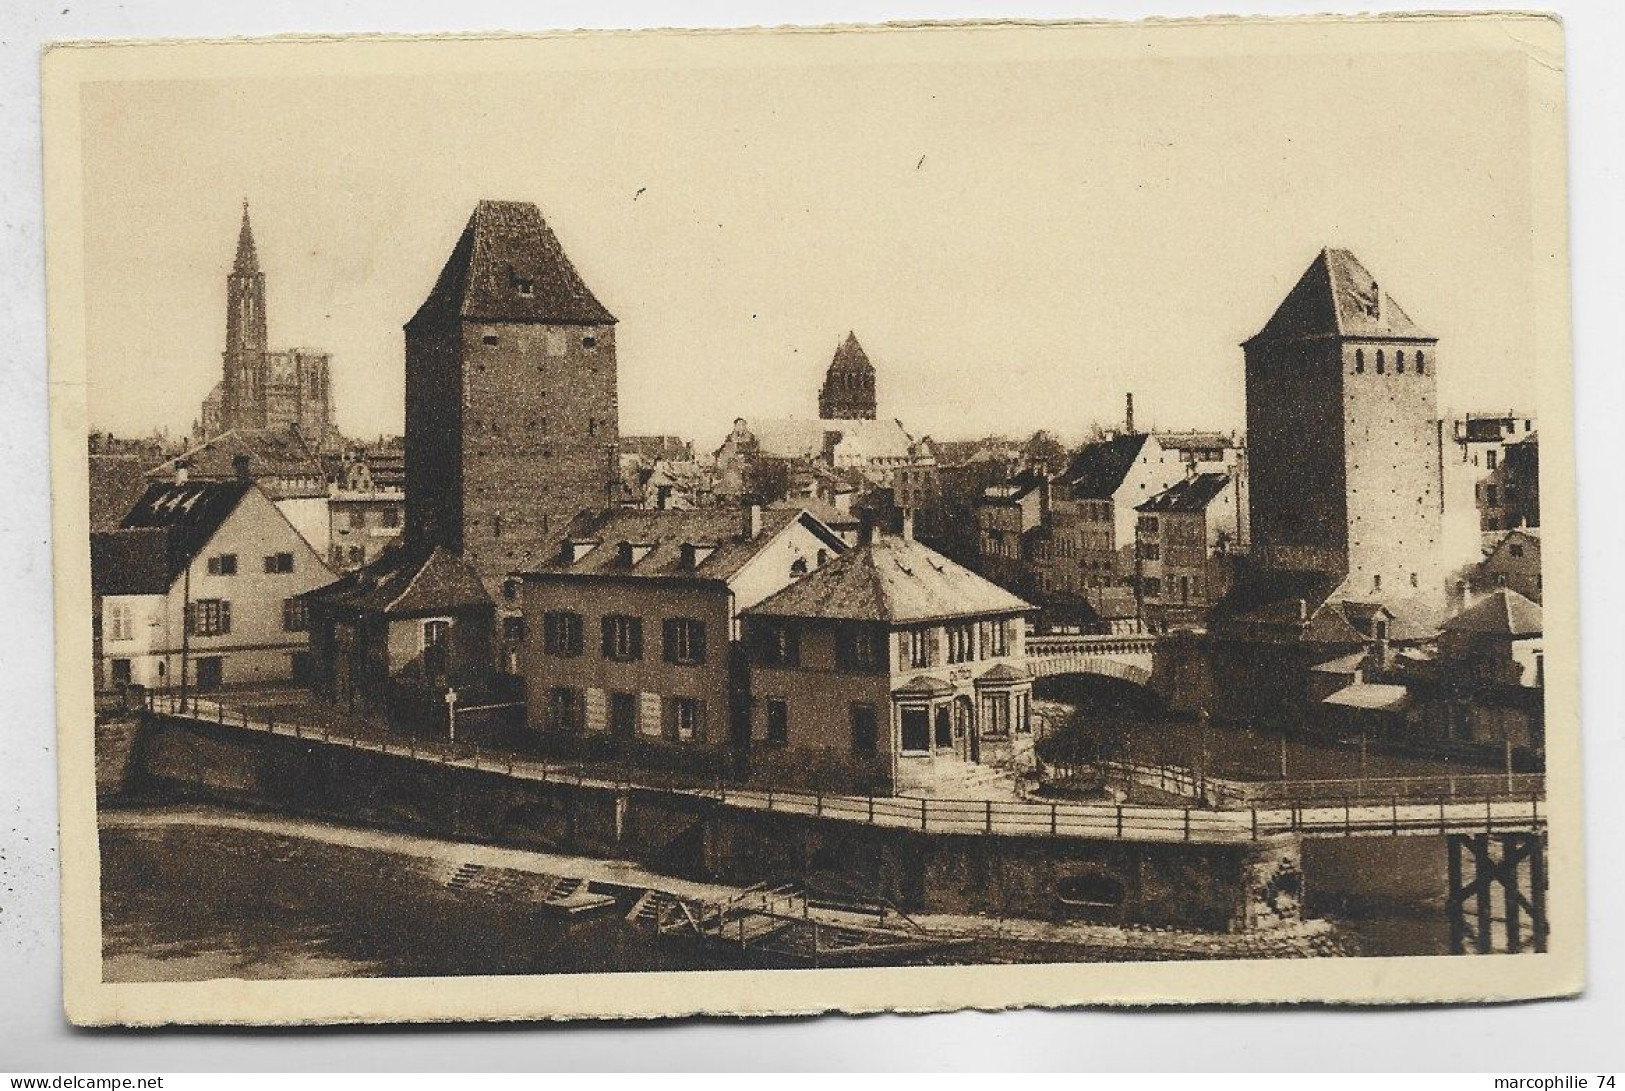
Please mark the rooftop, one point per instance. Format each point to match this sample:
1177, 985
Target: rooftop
702, 543
1337, 297
1503, 612
508, 266
189, 513
1193, 494
891, 580
1098, 470
407, 582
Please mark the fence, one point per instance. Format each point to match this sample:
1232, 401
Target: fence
1347, 817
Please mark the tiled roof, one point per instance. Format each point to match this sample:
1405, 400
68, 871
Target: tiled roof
407, 582
892, 580
1009, 492
1503, 612
191, 512
660, 538
270, 452
1098, 470
1336, 297
850, 357
1193, 494
822, 510
506, 246
130, 562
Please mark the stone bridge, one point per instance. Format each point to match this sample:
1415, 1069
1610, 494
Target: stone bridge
1128, 658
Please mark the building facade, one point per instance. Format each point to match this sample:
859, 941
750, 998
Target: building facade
200, 586
631, 631
891, 669
1184, 539
261, 388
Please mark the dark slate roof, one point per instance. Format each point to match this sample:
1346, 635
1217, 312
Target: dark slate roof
849, 356
271, 453
130, 562
1336, 297
503, 244
191, 512
892, 580
666, 533
1193, 494
1275, 597
1013, 490
1098, 470
1504, 612
406, 582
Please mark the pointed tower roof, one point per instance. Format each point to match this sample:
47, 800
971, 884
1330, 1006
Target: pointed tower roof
1337, 297
508, 266
248, 260
849, 356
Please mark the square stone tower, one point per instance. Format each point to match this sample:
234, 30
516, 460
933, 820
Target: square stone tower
1344, 441
511, 415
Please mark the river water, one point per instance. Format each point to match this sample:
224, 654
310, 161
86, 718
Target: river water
216, 897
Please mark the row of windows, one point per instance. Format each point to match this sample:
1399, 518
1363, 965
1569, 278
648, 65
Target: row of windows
679, 719
1420, 362
225, 564
682, 638
387, 517
205, 617
557, 340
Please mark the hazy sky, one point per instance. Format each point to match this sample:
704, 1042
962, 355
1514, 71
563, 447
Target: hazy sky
1016, 244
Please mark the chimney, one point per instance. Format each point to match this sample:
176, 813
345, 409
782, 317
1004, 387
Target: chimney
1376, 301
867, 531
239, 466
908, 524
750, 524
1128, 417
183, 470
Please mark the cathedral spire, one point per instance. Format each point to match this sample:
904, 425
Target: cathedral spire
248, 260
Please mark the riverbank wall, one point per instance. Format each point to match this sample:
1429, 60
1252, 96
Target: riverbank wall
1253, 887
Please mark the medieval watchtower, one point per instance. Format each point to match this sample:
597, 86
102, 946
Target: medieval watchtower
849, 385
1342, 425
511, 418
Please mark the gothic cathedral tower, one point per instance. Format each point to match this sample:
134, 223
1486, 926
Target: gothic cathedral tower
849, 385
1343, 438
512, 422
242, 401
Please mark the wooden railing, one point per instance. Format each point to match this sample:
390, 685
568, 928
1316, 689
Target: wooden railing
1347, 817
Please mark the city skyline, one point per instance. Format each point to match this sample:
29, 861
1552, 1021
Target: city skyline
951, 223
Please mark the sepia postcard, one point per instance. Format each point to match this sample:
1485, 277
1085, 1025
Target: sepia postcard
619, 525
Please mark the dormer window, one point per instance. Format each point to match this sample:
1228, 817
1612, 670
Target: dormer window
577, 548
694, 554
526, 287
630, 553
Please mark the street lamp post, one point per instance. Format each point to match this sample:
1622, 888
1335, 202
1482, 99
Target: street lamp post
451, 714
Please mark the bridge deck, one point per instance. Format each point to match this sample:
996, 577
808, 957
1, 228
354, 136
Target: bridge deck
1084, 821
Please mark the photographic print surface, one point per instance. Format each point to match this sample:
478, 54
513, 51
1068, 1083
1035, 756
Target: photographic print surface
777, 521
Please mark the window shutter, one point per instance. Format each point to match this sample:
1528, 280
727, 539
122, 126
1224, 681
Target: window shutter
636, 635
190, 620
649, 714
699, 721
609, 638
597, 709
668, 637
698, 650
225, 616
214, 566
